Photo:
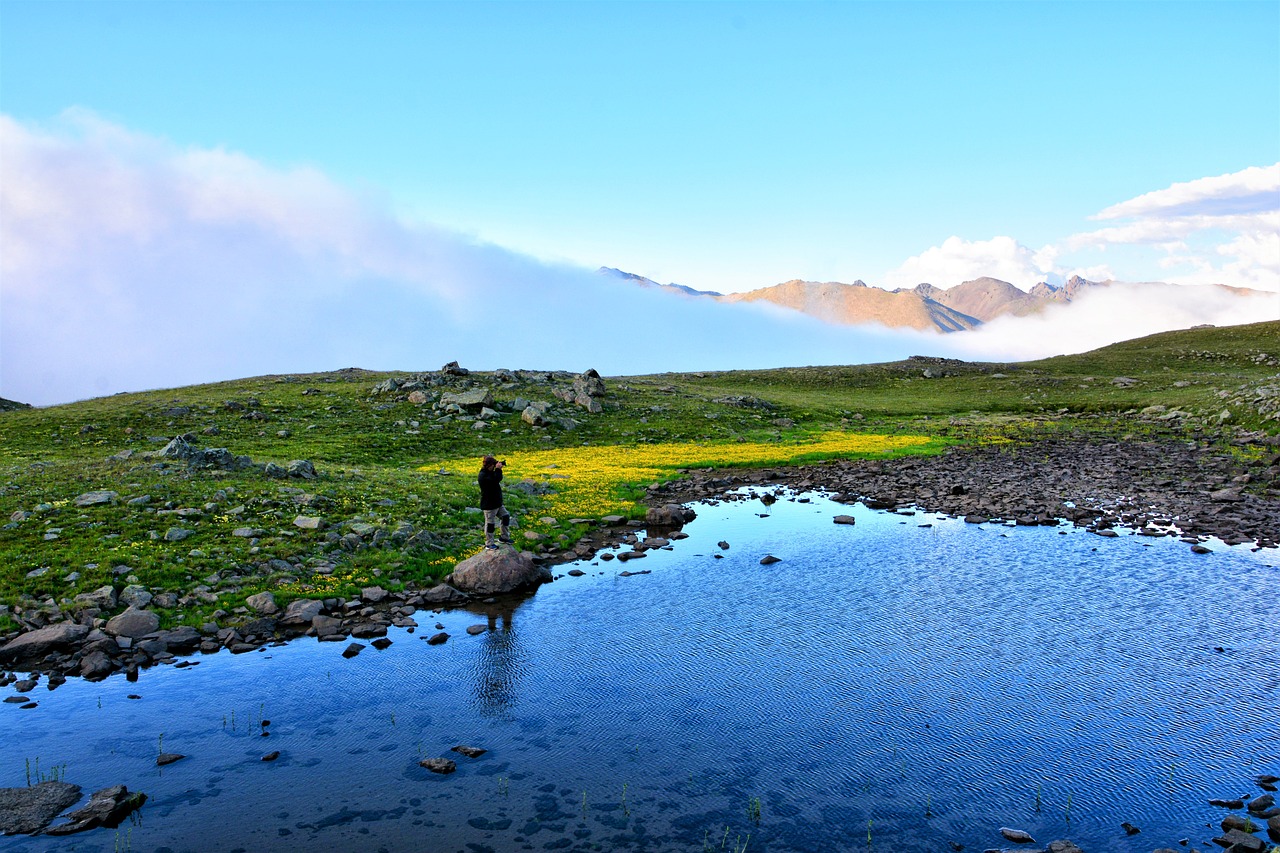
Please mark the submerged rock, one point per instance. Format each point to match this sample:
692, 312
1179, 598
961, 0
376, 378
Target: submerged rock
106, 808
28, 810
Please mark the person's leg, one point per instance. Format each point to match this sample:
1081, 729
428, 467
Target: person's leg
506, 524
490, 524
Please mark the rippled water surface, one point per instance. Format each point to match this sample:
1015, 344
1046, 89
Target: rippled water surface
907, 683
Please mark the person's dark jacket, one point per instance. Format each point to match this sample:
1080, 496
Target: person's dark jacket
490, 488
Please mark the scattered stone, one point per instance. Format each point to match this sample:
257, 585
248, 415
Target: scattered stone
470, 751
33, 645
475, 630
301, 612
1129, 829
769, 560
271, 756
308, 522
177, 534
352, 650
437, 639
133, 623
844, 519
438, 765
166, 758
381, 643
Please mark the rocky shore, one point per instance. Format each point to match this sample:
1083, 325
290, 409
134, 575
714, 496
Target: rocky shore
1156, 488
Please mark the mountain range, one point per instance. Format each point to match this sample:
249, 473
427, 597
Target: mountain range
954, 309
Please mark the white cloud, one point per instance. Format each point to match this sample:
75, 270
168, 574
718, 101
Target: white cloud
958, 260
1251, 190
131, 263
1220, 229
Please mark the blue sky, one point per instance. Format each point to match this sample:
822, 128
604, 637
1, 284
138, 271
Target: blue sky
721, 145
199, 191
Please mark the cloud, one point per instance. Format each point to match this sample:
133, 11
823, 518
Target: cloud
958, 260
1220, 229
1252, 190
132, 263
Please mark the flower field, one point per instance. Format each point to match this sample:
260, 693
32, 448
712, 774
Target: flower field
592, 481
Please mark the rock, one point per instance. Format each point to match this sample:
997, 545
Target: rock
473, 399
496, 571
769, 560
1063, 847
29, 810
133, 623
1129, 829
722, 545
417, 398
262, 602
535, 414
476, 630
96, 498
177, 534
300, 612
1261, 804
166, 758
470, 751
134, 595
669, 515
33, 645
326, 625
438, 765
352, 650
95, 666
1017, 836
301, 468
1241, 842
444, 594
437, 639
184, 638
844, 519
373, 594
103, 598
368, 630
453, 369
271, 756
308, 522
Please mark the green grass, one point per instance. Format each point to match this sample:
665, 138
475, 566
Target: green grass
368, 451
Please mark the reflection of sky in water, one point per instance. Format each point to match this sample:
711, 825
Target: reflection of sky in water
933, 680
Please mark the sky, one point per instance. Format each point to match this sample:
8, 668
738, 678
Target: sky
199, 191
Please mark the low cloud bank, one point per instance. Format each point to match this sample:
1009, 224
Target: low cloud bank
130, 263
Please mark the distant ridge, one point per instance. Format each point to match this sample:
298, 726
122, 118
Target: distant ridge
12, 405
925, 306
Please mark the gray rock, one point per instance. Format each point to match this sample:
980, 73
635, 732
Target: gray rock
33, 645
474, 399
302, 468
106, 808
96, 665
502, 570
444, 594
133, 623
769, 560
844, 519
96, 498
326, 626
308, 522
183, 638
352, 650
166, 758
300, 612
103, 598
373, 594
438, 765
29, 810
134, 595
262, 602
177, 534
535, 414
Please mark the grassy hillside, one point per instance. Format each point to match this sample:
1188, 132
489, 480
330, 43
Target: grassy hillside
396, 473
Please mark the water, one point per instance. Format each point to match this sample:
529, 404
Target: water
918, 685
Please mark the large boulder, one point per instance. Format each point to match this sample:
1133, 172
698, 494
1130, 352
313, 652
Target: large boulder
473, 399
495, 571
107, 808
133, 623
34, 645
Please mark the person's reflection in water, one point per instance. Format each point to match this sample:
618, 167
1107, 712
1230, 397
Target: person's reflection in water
499, 666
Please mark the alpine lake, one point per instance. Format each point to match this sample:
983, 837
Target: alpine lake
909, 683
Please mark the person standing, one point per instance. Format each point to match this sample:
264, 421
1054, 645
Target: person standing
490, 480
